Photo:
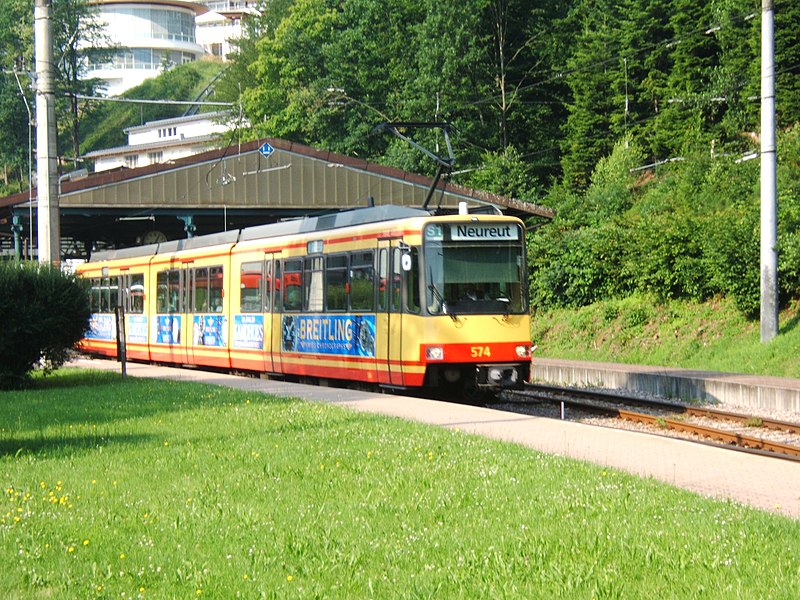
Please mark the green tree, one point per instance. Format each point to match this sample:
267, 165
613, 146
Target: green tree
645, 40
737, 77
15, 91
787, 62
505, 173
238, 74
325, 73
14, 125
524, 45
689, 111
78, 38
591, 74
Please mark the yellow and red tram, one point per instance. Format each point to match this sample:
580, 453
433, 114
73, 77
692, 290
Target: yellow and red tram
387, 295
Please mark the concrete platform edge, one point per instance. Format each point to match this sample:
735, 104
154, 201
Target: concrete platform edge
686, 385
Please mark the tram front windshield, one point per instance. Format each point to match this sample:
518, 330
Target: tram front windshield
474, 268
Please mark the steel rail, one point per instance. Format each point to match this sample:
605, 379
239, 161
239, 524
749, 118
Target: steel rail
711, 413
727, 437
730, 439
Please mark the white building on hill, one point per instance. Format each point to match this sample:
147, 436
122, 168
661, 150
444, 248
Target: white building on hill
163, 141
149, 35
223, 22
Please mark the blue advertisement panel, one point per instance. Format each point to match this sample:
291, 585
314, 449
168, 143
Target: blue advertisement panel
102, 327
168, 329
349, 335
248, 332
210, 330
137, 329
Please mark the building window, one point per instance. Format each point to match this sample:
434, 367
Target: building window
155, 157
143, 58
152, 23
132, 161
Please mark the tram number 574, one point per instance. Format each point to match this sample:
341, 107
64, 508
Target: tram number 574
480, 351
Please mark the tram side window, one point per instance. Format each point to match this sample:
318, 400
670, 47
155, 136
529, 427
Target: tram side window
114, 299
383, 279
268, 286
133, 290
252, 285
162, 292
104, 294
168, 287
200, 291
206, 293
313, 280
362, 281
215, 289
412, 283
94, 295
293, 285
395, 304
336, 282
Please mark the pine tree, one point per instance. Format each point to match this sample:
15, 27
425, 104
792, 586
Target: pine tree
690, 113
594, 70
787, 62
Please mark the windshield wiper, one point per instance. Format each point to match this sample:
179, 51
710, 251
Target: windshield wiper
440, 299
507, 306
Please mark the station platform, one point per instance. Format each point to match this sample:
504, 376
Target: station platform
765, 393
763, 482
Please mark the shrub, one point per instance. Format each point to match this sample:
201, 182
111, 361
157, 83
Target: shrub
44, 313
789, 215
732, 246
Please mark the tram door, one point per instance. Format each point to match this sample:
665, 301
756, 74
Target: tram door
273, 339
389, 318
170, 327
271, 316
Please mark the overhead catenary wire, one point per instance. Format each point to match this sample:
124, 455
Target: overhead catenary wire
145, 101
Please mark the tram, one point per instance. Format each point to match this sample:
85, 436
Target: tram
387, 296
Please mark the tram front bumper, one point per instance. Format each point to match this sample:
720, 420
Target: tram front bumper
505, 376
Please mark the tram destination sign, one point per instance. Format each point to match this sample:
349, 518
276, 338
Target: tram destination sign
483, 232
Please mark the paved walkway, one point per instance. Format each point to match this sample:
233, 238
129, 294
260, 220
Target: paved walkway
767, 483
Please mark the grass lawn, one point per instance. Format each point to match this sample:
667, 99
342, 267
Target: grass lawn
156, 489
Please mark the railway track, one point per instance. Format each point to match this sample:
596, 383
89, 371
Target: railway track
780, 439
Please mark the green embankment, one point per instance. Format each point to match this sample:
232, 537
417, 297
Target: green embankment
712, 335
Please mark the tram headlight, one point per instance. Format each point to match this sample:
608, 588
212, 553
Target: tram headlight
523, 351
434, 353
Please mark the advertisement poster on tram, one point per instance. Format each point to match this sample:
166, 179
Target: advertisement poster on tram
102, 327
137, 329
248, 332
168, 329
210, 330
349, 335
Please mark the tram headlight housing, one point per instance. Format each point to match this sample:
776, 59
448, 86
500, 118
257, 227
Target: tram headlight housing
434, 353
524, 351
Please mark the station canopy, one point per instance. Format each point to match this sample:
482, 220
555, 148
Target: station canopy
255, 183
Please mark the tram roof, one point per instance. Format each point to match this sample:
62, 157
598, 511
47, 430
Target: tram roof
349, 218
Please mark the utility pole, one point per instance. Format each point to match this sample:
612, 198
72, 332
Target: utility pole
769, 188
46, 150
